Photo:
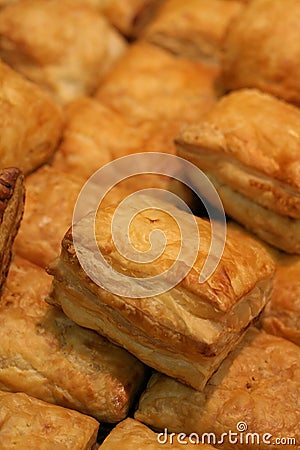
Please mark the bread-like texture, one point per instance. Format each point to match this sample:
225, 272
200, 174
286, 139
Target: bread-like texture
262, 50
50, 199
12, 198
192, 28
30, 423
131, 434
63, 46
258, 384
149, 83
31, 123
282, 315
249, 146
95, 134
185, 332
46, 355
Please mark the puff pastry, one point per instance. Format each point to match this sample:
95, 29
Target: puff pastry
149, 83
12, 196
258, 384
185, 332
51, 358
248, 146
193, 28
30, 124
282, 315
261, 49
131, 434
63, 46
30, 423
95, 135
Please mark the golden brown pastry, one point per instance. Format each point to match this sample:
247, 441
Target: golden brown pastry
249, 147
30, 124
262, 49
94, 135
131, 434
186, 331
46, 355
192, 28
149, 83
28, 423
282, 315
256, 389
63, 46
12, 197
50, 200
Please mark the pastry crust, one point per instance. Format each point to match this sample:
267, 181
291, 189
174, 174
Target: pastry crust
207, 319
149, 83
31, 123
262, 49
131, 434
51, 358
63, 46
193, 28
257, 384
282, 315
30, 423
248, 146
12, 197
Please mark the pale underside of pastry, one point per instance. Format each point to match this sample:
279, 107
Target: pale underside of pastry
261, 49
248, 145
12, 197
258, 384
28, 423
185, 332
63, 46
282, 315
149, 83
192, 28
30, 125
46, 355
131, 434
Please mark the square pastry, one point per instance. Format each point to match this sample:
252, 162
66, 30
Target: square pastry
149, 83
248, 146
29, 423
192, 28
30, 125
251, 402
12, 197
46, 355
282, 314
262, 49
178, 325
64, 46
131, 434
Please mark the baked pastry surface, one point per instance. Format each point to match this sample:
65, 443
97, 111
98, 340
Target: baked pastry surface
261, 49
193, 28
30, 423
65, 47
12, 197
282, 315
131, 434
185, 332
46, 355
30, 125
248, 146
258, 384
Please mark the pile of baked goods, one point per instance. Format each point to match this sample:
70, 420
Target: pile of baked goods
212, 363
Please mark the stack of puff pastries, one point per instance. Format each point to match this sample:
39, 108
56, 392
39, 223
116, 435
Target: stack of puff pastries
83, 84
